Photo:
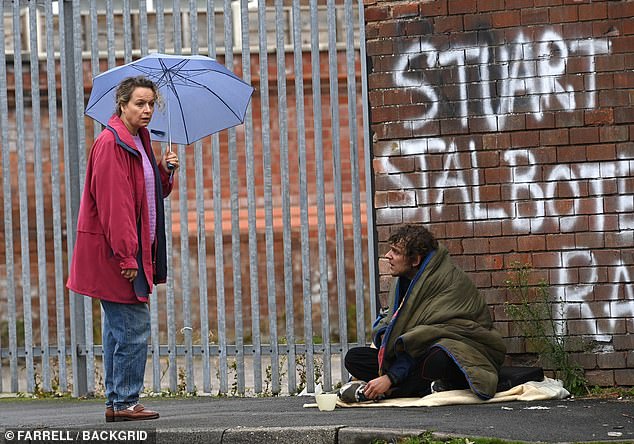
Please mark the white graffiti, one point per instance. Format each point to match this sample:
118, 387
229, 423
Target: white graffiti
531, 71
531, 78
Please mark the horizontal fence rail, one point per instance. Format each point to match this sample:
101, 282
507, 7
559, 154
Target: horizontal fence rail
269, 227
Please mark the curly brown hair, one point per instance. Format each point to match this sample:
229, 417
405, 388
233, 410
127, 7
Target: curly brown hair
127, 86
414, 239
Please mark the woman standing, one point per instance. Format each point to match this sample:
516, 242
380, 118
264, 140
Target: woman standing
120, 250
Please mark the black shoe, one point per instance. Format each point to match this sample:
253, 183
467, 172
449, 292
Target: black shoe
440, 385
352, 392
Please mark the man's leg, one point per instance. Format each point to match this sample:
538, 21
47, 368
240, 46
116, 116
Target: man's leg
362, 363
437, 365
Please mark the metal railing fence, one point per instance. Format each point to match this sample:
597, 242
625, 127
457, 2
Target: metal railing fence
270, 227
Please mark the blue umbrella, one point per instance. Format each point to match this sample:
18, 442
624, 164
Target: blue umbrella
200, 96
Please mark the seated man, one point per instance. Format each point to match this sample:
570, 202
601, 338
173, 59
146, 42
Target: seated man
437, 335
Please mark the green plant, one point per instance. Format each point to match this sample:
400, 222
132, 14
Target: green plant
300, 364
546, 333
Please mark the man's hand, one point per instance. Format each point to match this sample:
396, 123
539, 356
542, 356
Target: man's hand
377, 386
129, 273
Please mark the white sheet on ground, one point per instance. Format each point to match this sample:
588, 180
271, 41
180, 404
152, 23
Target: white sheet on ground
529, 391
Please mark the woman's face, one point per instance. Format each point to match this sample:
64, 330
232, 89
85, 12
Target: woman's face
138, 111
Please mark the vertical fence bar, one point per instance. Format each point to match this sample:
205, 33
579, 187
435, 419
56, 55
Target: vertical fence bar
8, 212
235, 216
303, 198
336, 159
187, 330
23, 199
55, 199
97, 127
88, 348
285, 182
268, 198
218, 233
39, 197
321, 206
169, 292
86, 345
143, 27
354, 174
254, 282
201, 234
72, 187
111, 44
127, 33
155, 349
369, 173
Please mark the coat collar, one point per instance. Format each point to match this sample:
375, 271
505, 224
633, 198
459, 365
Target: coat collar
123, 136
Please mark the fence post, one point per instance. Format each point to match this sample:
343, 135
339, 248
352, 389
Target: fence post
72, 145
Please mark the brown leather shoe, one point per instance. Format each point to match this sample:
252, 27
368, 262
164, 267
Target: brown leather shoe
135, 413
109, 414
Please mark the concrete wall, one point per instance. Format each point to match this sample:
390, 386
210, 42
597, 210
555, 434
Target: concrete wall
506, 127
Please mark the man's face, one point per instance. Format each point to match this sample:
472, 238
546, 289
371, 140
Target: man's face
400, 263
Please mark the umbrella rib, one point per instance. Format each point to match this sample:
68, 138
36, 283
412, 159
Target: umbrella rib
170, 84
200, 85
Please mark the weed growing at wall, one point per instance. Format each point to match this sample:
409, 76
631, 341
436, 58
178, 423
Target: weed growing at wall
546, 333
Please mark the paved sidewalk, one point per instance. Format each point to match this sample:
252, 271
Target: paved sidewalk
285, 420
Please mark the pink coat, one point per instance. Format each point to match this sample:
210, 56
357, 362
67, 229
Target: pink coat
113, 206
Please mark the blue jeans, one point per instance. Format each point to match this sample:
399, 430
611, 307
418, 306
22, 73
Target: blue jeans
125, 333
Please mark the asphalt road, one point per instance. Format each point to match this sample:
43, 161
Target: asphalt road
286, 420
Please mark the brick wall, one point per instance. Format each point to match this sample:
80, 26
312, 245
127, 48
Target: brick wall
506, 127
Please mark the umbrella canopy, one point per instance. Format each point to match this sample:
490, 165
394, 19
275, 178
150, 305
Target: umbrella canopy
200, 96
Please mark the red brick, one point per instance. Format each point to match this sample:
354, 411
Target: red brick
531, 243
405, 10
505, 19
569, 119
624, 377
602, 378
385, 182
477, 21
533, 16
380, 199
620, 10
448, 213
433, 8
554, 137
401, 198
560, 241
564, 14
448, 24
376, 13
615, 134
415, 215
503, 245
459, 229
519, 4
389, 216
586, 135
544, 121
623, 342
393, 165
593, 11
491, 5
525, 139
463, 6
587, 361
611, 360
589, 240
